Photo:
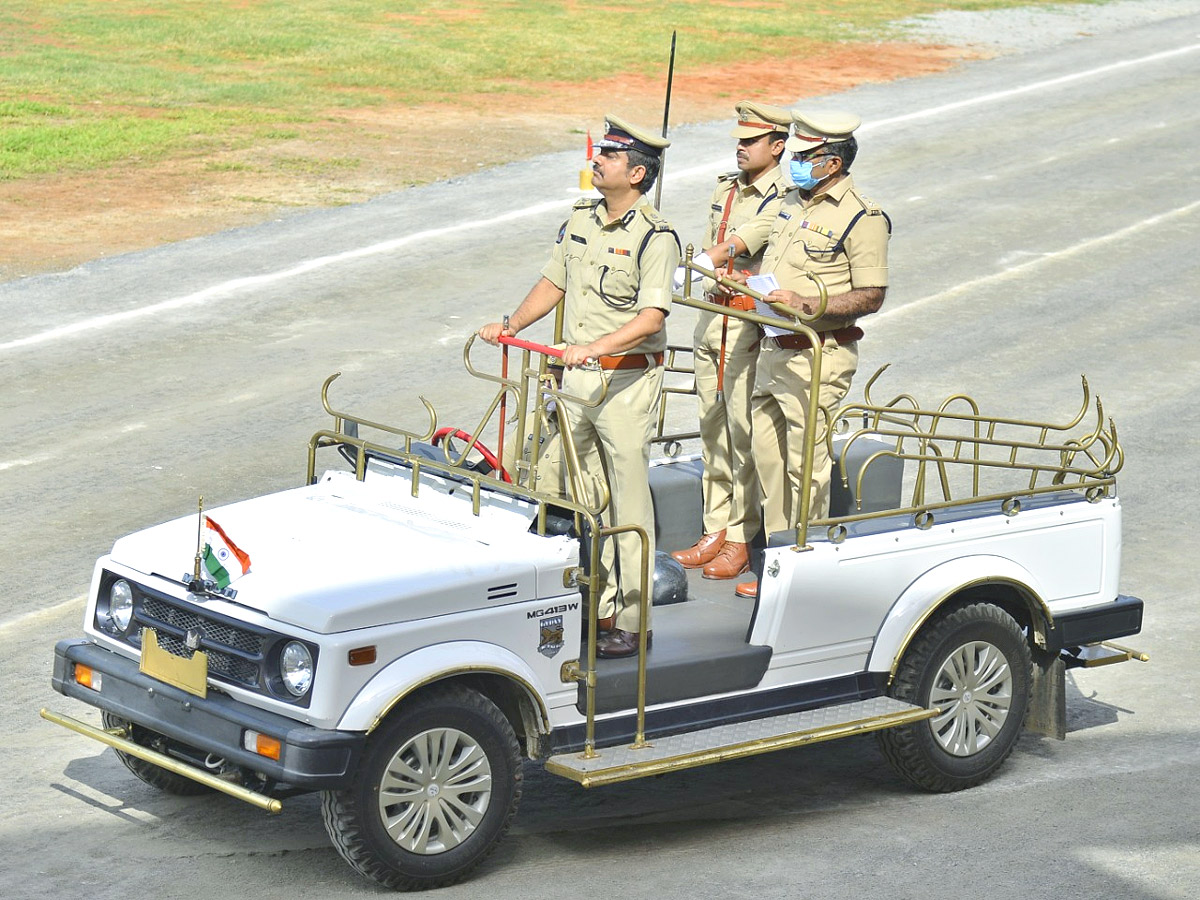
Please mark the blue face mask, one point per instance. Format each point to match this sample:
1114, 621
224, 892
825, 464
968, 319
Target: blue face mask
802, 176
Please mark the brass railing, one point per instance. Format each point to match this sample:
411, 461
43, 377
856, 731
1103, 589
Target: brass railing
955, 439
534, 387
794, 321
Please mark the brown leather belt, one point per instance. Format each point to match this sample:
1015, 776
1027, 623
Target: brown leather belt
631, 361
801, 341
737, 301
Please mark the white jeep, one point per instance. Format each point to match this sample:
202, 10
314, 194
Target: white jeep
412, 625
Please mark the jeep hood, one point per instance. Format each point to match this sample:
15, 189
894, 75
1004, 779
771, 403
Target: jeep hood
344, 554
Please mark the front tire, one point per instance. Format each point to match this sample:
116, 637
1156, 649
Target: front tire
437, 788
974, 664
156, 776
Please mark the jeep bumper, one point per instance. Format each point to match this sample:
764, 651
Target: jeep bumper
311, 758
1120, 618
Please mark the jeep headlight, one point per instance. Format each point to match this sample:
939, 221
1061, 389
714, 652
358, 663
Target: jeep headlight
296, 668
114, 612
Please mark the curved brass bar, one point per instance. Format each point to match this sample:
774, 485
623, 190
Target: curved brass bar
918, 497
325, 393
340, 417
870, 404
849, 442
966, 398
871, 383
505, 385
974, 407
1117, 452
478, 373
476, 432
744, 315
862, 473
782, 308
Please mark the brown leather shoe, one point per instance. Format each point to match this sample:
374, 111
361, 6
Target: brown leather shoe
701, 552
603, 626
747, 589
617, 644
732, 561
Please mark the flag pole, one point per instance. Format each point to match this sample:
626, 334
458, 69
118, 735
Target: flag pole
197, 582
666, 118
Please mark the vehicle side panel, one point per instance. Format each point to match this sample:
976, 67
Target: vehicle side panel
824, 607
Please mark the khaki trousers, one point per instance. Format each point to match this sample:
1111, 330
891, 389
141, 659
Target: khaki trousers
730, 487
779, 410
613, 443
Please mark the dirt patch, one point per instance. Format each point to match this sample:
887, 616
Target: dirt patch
54, 223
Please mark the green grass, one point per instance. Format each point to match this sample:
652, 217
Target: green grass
86, 83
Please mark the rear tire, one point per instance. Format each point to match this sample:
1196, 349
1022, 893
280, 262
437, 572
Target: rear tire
974, 663
437, 788
154, 775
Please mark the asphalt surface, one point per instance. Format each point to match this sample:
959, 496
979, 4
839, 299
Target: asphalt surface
1047, 217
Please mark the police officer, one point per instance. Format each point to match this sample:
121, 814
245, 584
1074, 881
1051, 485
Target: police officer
742, 209
613, 266
825, 226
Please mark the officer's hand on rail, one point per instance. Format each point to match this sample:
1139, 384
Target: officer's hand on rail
493, 330
806, 305
575, 355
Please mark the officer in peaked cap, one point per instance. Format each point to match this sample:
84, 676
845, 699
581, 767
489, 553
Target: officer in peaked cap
826, 227
620, 135
742, 208
815, 129
612, 268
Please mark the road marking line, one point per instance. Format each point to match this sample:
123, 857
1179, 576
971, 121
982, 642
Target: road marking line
224, 289
1026, 89
46, 612
1022, 268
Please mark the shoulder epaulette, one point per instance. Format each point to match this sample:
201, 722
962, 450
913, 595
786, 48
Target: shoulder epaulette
729, 176
869, 207
658, 225
587, 203
655, 218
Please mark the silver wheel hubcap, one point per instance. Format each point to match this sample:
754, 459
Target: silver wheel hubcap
973, 688
435, 791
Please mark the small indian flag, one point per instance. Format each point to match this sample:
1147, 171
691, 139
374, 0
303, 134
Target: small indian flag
224, 561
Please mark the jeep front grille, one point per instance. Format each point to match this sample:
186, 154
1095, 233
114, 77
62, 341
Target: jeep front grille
234, 653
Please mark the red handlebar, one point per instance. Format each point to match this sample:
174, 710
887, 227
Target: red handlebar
530, 345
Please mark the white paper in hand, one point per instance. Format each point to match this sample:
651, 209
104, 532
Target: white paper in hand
764, 284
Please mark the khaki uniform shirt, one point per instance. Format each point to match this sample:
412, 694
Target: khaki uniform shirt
751, 215
611, 271
811, 236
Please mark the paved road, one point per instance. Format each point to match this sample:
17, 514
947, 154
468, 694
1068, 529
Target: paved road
1047, 219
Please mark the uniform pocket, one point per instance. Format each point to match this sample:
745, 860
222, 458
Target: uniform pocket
618, 281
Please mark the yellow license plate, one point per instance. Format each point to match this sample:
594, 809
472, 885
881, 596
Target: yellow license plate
190, 675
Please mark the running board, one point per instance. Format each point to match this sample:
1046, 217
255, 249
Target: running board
711, 745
